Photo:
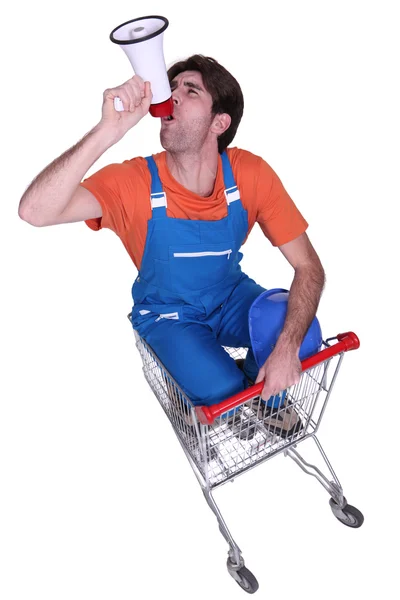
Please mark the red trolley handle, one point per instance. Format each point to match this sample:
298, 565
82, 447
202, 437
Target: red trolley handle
207, 414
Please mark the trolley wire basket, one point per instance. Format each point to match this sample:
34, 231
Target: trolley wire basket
225, 440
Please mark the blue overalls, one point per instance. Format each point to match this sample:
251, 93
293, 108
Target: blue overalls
191, 296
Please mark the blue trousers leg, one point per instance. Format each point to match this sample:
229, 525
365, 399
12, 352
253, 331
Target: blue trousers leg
193, 354
196, 360
234, 326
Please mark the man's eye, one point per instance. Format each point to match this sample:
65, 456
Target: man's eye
191, 90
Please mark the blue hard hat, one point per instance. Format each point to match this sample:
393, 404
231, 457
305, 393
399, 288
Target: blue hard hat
267, 315
266, 319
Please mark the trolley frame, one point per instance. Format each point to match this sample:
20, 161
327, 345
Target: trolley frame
232, 437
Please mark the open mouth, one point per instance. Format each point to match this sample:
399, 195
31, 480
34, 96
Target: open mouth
167, 119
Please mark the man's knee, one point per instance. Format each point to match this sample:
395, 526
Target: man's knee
223, 384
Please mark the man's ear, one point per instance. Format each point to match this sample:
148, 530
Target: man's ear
221, 123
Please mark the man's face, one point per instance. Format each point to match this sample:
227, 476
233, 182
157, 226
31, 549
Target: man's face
190, 125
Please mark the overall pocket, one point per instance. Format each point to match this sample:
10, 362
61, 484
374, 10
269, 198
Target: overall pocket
199, 266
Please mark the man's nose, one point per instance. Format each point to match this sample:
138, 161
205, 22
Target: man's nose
175, 96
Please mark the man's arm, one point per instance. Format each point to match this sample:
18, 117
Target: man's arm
283, 368
305, 291
55, 196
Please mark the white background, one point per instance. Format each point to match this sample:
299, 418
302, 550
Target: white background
97, 498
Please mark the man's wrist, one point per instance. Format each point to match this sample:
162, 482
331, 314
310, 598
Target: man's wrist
288, 344
103, 137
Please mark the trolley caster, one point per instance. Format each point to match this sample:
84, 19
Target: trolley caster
348, 515
243, 577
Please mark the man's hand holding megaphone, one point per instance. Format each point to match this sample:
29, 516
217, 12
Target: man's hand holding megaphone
135, 95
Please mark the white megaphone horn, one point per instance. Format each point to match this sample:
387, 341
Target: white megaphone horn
142, 41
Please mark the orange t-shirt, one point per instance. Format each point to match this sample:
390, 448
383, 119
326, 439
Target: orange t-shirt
123, 191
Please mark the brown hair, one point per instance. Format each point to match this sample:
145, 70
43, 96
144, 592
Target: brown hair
224, 89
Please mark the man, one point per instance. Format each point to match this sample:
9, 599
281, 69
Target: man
183, 215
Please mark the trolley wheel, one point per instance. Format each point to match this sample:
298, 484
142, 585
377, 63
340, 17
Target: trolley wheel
348, 515
245, 579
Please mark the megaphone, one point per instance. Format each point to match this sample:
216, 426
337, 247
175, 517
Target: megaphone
142, 41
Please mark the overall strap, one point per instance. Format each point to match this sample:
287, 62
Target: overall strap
158, 197
231, 189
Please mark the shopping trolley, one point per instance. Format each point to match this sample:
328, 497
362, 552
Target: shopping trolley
227, 439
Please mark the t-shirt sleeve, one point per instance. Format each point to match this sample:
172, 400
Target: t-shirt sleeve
112, 186
277, 214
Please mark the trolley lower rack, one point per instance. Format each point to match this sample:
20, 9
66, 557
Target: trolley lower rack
225, 440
